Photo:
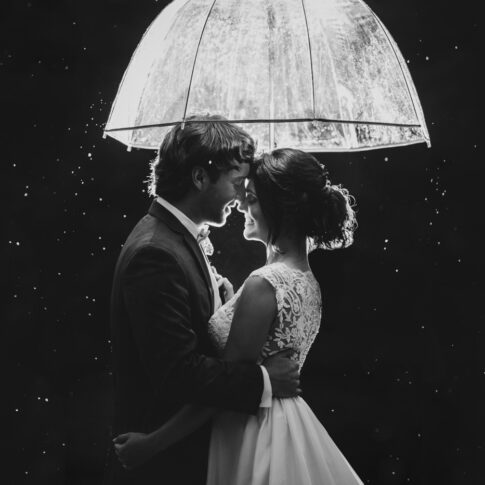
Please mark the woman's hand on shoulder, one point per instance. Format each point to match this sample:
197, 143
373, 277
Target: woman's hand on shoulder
225, 287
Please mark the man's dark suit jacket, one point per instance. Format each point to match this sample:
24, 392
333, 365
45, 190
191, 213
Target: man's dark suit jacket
163, 358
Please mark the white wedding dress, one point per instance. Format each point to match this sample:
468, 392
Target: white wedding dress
284, 444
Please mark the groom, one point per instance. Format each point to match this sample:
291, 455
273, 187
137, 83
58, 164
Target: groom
163, 296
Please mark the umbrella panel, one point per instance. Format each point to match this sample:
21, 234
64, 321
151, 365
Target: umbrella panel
356, 77
252, 76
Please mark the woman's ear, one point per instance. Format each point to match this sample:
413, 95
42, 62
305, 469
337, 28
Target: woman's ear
200, 178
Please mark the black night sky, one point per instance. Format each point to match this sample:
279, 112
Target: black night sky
397, 373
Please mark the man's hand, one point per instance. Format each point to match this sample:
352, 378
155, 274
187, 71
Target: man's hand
133, 449
284, 374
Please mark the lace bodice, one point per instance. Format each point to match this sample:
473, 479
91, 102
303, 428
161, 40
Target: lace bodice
297, 322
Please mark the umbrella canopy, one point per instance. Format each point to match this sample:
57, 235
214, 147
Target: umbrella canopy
318, 75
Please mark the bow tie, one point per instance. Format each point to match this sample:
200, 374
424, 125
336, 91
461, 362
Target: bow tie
203, 234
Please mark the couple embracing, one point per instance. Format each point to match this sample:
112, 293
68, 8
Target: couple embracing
207, 382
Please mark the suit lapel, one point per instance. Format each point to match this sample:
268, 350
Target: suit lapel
196, 250
175, 225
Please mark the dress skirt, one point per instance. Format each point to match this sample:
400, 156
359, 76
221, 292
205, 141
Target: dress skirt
282, 445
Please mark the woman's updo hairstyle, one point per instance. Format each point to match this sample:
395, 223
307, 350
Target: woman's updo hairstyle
297, 197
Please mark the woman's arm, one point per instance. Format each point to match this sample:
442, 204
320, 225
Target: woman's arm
255, 311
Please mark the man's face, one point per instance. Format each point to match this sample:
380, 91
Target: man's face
223, 194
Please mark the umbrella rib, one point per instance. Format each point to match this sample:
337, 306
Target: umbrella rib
291, 120
314, 149
311, 57
193, 66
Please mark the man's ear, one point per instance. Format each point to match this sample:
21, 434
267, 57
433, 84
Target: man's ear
200, 178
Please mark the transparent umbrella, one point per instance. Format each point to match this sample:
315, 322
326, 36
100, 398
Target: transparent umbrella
318, 75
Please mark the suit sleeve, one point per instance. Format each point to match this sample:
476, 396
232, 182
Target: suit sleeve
156, 296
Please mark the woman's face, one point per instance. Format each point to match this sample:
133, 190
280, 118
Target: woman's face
255, 227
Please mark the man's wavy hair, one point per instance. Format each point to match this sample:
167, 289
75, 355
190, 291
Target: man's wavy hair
207, 141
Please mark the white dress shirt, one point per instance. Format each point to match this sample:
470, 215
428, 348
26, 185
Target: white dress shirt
194, 229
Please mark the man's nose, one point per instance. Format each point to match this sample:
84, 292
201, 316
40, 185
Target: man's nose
241, 205
240, 194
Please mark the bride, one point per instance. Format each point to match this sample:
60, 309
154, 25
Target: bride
291, 206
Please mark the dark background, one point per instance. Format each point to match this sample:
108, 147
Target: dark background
397, 373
